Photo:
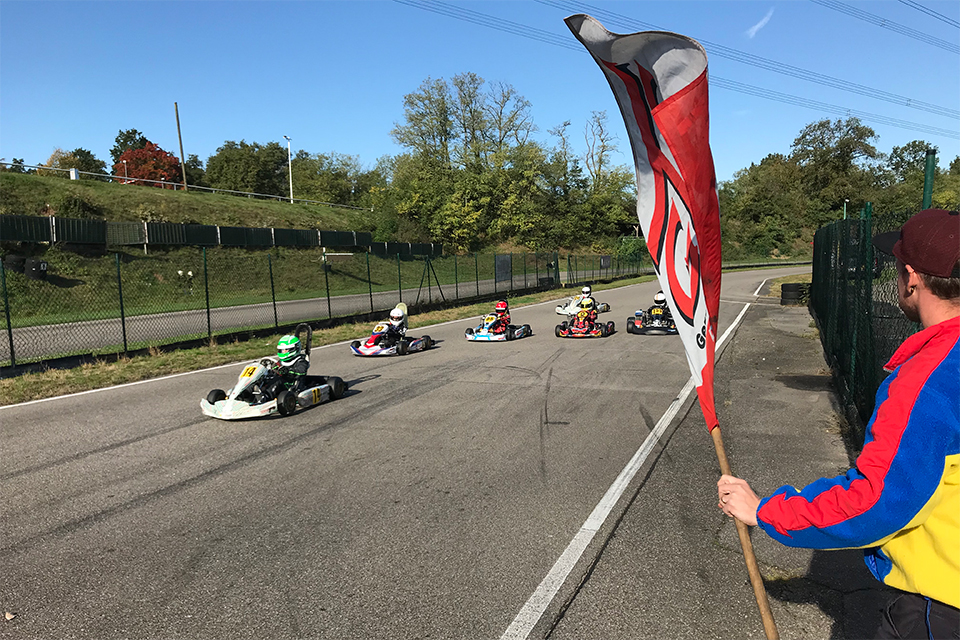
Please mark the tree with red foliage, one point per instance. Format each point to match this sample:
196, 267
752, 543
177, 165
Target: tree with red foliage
149, 163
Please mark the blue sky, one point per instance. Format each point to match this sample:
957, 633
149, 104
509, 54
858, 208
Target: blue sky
332, 75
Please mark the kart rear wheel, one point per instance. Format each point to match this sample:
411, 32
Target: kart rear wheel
402, 347
286, 402
216, 396
511, 332
337, 387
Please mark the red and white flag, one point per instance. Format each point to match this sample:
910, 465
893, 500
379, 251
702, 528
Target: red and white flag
660, 82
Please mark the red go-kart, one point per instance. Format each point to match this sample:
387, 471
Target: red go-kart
584, 326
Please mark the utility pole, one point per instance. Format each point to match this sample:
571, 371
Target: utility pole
183, 161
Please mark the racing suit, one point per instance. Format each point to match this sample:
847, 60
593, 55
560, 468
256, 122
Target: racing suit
503, 322
394, 333
901, 501
291, 375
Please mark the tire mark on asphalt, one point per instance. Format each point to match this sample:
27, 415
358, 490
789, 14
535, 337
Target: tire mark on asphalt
400, 392
110, 447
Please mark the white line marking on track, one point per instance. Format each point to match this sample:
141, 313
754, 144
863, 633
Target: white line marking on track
757, 292
533, 609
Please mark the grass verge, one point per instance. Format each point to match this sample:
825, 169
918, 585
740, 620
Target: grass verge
96, 375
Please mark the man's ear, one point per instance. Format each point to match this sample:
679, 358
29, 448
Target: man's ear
913, 278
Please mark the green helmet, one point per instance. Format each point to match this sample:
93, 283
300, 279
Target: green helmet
288, 348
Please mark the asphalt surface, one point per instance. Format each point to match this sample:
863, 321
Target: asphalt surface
435, 498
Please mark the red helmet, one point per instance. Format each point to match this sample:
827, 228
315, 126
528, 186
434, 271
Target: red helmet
501, 306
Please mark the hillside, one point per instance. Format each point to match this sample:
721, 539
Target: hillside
32, 195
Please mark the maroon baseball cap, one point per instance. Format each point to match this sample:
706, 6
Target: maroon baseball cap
929, 242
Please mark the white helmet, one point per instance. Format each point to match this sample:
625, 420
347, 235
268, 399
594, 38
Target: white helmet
396, 317
586, 290
660, 299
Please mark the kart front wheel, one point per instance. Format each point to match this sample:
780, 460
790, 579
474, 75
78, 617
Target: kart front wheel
468, 331
527, 331
286, 402
216, 396
427, 342
611, 328
557, 331
355, 344
630, 325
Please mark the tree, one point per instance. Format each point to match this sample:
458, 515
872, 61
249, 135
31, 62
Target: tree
508, 116
196, 176
149, 163
15, 166
125, 141
428, 122
911, 157
86, 161
253, 168
600, 144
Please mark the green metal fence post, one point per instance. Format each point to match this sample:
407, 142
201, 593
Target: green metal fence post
456, 277
495, 273
369, 282
123, 319
929, 171
326, 284
206, 293
524, 269
569, 281
476, 266
399, 282
273, 292
6, 311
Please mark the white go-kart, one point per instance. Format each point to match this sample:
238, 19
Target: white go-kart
260, 392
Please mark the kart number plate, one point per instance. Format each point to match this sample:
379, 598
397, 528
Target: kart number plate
656, 312
380, 328
490, 318
248, 372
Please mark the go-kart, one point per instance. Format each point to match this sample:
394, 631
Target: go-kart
654, 321
487, 331
572, 306
260, 391
581, 326
382, 343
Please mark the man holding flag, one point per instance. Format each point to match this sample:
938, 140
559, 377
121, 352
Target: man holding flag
901, 501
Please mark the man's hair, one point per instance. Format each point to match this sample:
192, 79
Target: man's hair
943, 288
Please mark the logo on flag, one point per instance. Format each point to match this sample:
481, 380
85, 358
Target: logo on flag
660, 82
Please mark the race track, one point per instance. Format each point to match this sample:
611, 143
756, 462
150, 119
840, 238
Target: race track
429, 502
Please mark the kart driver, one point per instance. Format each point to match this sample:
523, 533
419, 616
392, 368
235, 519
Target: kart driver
397, 328
588, 304
293, 364
502, 311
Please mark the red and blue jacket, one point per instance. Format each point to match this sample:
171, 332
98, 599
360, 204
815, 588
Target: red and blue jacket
901, 501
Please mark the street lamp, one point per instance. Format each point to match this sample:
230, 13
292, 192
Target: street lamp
845, 201
289, 168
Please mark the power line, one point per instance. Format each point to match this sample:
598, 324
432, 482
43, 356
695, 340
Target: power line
931, 12
722, 51
888, 24
532, 33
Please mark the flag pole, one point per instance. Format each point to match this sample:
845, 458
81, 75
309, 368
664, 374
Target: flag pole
756, 580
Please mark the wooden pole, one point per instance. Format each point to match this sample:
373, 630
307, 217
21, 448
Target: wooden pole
769, 626
183, 161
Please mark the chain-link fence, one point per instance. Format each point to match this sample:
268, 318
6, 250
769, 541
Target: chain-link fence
854, 299
91, 301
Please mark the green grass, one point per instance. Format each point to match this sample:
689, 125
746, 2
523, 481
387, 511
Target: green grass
55, 382
31, 195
